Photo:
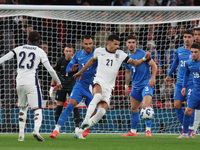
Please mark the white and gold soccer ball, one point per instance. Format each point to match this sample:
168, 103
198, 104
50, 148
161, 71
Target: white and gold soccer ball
147, 113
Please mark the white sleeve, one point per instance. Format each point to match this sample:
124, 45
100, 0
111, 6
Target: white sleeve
8, 56
51, 71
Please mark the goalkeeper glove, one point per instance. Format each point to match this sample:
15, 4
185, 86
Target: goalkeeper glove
51, 91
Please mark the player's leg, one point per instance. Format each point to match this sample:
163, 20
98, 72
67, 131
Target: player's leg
193, 103
196, 120
60, 97
75, 98
147, 94
102, 106
178, 99
96, 99
186, 122
135, 100
35, 102
147, 103
191, 126
23, 111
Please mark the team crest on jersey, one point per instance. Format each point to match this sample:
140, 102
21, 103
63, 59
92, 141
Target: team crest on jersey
117, 56
190, 56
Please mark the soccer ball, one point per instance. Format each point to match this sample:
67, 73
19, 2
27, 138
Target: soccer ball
147, 113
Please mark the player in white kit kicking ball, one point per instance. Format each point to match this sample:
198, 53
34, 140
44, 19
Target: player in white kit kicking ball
28, 90
109, 61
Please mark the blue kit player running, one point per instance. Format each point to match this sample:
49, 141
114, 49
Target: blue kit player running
192, 67
81, 88
182, 55
142, 84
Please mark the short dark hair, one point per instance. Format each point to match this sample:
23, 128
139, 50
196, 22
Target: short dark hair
189, 32
69, 45
34, 36
196, 46
113, 37
131, 37
87, 37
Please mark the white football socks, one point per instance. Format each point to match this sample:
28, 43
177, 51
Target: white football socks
22, 123
96, 99
196, 120
95, 119
37, 119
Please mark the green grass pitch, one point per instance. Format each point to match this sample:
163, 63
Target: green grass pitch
100, 142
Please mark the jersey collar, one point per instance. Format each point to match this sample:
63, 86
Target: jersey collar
32, 44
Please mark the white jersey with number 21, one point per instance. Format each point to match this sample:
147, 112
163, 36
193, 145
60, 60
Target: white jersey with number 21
108, 65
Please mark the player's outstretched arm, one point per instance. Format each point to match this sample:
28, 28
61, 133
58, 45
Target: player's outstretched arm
52, 72
136, 63
8, 56
153, 65
90, 62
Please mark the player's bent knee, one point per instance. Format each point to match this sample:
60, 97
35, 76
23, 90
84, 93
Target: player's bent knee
188, 112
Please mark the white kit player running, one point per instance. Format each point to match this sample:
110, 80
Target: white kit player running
28, 90
109, 61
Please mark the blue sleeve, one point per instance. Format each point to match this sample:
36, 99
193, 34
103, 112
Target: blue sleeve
186, 76
71, 63
174, 65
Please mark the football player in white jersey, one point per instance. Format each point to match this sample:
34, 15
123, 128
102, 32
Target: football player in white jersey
28, 90
109, 61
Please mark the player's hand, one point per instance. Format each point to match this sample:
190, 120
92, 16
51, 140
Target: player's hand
126, 92
59, 86
77, 76
167, 80
51, 92
147, 55
183, 91
152, 82
75, 67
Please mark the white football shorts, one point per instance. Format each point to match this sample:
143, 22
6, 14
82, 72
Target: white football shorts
29, 95
106, 91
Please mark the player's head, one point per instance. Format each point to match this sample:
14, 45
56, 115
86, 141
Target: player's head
68, 51
34, 37
188, 37
195, 51
87, 44
131, 43
113, 43
197, 34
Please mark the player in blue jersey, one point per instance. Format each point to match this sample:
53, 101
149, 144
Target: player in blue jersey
81, 88
192, 67
182, 55
142, 85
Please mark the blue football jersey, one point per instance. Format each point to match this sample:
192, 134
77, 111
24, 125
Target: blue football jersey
82, 58
192, 68
182, 55
141, 74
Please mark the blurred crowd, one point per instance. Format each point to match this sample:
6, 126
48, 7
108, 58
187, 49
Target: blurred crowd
106, 2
